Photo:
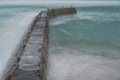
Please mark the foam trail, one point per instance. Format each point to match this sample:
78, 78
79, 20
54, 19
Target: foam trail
64, 31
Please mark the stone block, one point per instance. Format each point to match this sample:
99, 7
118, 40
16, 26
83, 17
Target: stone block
26, 77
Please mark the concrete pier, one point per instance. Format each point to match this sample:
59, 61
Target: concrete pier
30, 61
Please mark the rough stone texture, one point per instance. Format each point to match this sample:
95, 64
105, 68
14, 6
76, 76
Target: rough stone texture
30, 61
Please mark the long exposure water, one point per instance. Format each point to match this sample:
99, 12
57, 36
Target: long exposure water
14, 23
83, 46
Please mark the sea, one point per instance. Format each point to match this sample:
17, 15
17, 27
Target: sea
82, 46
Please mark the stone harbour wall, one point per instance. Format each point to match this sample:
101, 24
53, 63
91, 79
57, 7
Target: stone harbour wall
62, 11
30, 60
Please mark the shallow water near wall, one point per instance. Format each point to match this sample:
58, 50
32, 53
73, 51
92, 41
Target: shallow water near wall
85, 46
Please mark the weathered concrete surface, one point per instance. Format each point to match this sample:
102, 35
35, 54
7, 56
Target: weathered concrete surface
63, 11
30, 61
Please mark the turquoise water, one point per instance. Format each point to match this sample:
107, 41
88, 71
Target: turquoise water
86, 45
83, 46
91, 28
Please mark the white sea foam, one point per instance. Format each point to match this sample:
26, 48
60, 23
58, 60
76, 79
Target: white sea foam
61, 20
57, 22
90, 15
11, 34
70, 64
64, 31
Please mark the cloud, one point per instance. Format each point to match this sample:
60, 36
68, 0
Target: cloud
60, 2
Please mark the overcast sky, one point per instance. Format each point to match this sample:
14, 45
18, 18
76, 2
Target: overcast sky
72, 2
59, 0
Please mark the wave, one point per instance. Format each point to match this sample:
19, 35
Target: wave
90, 14
61, 20
95, 51
69, 64
11, 33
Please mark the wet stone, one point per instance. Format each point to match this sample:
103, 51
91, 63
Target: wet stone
30, 63
36, 40
42, 19
44, 14
19, 71
39, 37
38, 30
30, 60
37, 34
42, 22
26, 77
27, 67
33, 50
39, 24
35, 43
37, 27
39, 16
